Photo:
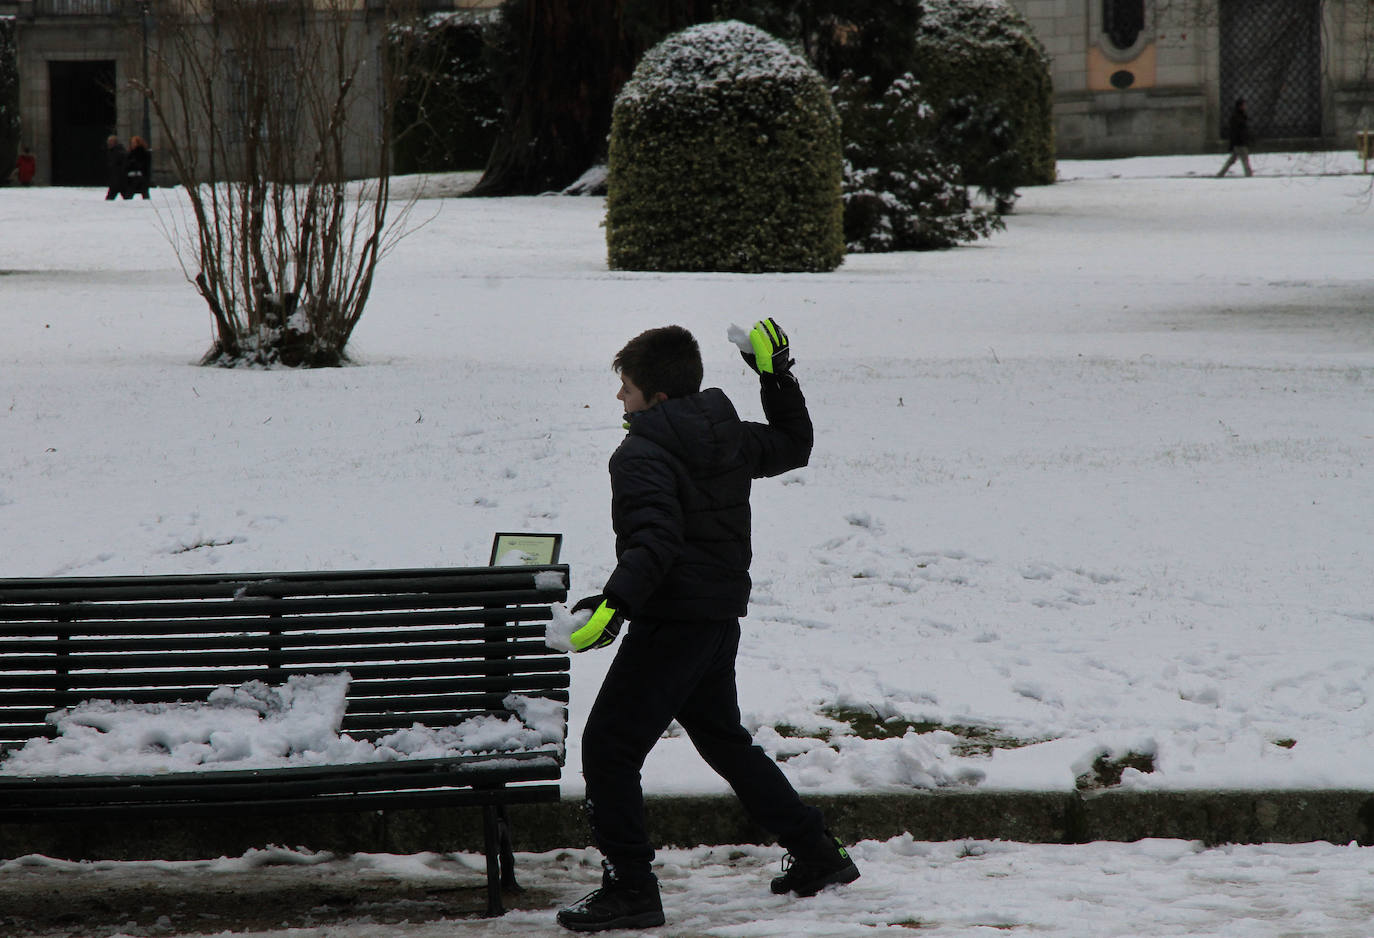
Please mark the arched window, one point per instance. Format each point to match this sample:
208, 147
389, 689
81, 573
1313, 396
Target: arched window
1123, 21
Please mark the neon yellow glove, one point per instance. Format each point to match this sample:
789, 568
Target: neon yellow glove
772, 352
602, 628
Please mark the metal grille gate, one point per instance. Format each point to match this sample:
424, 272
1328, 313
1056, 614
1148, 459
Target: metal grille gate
1271, 54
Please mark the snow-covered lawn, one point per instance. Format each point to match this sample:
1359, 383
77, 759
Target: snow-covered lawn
1100, 483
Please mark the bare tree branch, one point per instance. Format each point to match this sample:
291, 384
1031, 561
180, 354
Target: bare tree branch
261, 105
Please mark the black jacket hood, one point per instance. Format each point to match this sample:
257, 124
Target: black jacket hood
702, 430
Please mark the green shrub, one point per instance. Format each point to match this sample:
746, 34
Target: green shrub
873, 38
449, 112
724, 155
988, 77
899, 193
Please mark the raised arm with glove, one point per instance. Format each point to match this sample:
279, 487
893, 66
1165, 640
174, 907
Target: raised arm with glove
764, 348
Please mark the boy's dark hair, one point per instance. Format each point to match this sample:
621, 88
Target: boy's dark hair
666, 359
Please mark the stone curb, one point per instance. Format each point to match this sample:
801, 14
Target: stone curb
1212, 817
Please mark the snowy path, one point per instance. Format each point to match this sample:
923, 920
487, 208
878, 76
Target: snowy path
1152, 888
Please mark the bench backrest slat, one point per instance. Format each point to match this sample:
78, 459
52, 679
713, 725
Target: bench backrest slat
336, 657
421, 645
324, 582
106, 683
444, 624
477, 607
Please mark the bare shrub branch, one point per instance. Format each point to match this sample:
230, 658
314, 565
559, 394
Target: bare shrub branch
266, 110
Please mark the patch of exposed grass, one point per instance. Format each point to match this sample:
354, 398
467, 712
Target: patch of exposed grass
1107, 770
974, 739
792, 732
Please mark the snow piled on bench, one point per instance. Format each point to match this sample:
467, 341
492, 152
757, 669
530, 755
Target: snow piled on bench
257, 726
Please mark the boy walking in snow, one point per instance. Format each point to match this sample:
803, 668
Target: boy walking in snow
680, 485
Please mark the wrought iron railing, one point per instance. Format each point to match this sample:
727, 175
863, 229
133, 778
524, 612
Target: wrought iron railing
1271, 56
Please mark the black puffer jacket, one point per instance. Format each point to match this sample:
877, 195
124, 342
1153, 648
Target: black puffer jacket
1240, 127
680, 499
115, 158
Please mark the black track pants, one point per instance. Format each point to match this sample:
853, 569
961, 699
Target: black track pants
683, 671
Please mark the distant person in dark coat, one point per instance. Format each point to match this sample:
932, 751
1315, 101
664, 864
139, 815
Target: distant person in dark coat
25, 166
116, 175
139, 163
1240, 139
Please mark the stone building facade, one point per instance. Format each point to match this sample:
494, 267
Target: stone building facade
77, 59
74, 59
1131, 77
1138, 77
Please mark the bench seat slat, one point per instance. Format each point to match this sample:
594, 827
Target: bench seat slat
360, 771
372, 801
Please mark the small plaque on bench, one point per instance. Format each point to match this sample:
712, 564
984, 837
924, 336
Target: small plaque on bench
512, 550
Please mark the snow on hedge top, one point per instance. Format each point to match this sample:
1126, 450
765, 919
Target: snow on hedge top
709, 56
973, 21
256, 726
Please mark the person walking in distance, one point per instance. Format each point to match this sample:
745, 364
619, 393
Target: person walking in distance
1240, 139
139, 163
25, 166
680, 484
116, 175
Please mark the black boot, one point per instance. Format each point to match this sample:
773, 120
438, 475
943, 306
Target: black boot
617, 904
806, 871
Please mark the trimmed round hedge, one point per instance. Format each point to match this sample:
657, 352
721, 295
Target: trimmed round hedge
725, 154
984, 57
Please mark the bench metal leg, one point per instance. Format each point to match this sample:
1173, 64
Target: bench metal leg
508, 882
491, 834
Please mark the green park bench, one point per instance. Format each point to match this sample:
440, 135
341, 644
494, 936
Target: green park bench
425, 646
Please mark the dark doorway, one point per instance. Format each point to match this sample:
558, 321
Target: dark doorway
1271, 55
82, 108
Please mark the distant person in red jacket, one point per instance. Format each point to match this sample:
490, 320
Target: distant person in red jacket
25, 167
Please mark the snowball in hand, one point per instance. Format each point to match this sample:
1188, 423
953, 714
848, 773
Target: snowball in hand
558, 633
741, 338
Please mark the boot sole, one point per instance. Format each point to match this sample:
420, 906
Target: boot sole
642, 920
841, 877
